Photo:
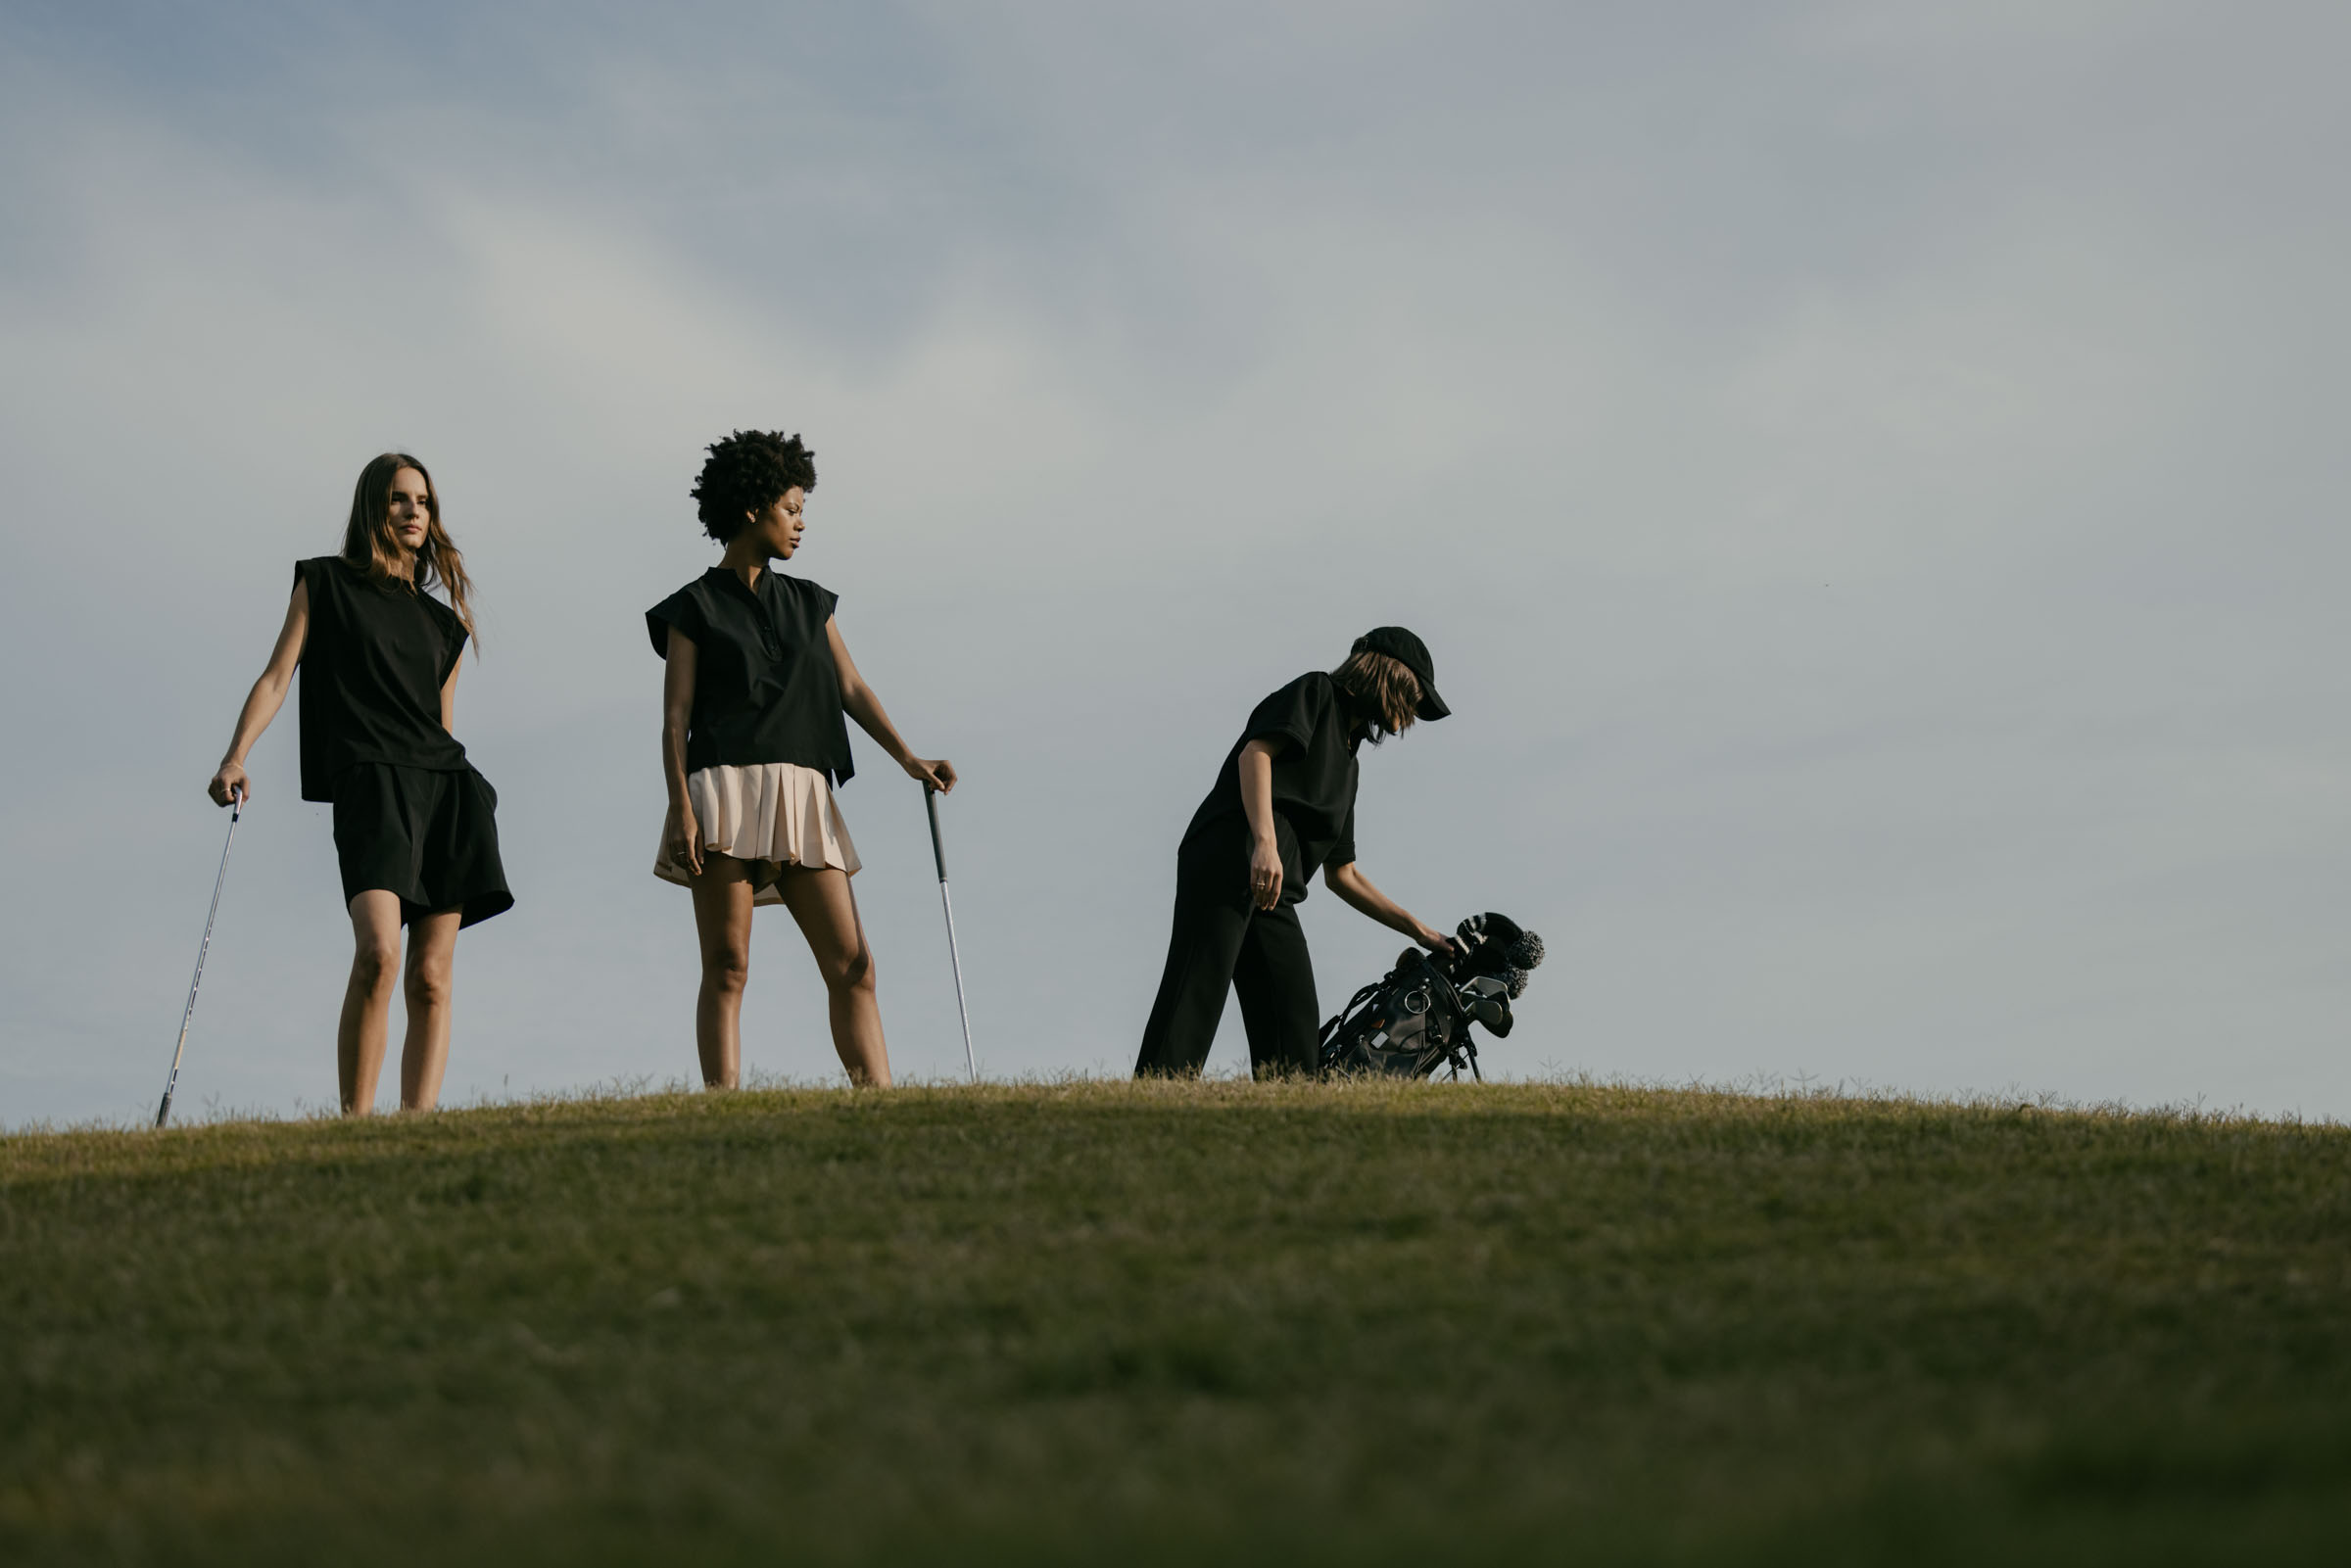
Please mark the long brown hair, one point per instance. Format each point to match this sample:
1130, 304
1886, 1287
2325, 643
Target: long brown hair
369, 544
1383, 685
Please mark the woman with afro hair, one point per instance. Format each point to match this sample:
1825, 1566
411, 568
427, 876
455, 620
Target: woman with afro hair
753, 746
416, 826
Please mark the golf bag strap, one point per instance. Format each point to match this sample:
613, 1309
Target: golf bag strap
1357, 999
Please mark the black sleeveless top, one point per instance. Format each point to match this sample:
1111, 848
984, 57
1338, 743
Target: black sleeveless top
765, 689
372, 668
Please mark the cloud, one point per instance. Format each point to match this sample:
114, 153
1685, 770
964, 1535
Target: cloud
1861, 469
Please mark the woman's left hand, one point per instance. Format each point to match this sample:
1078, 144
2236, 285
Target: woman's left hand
1436, 941
935, 772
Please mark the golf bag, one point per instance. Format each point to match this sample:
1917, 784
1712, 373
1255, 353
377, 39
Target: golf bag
1415, 1017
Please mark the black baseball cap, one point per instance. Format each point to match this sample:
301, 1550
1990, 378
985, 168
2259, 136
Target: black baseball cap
1413, 653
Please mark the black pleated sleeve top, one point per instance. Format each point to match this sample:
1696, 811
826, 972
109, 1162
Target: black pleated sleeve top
372, 667
765, 687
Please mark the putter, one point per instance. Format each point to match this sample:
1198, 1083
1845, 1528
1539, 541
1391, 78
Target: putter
164, 1112
940, 855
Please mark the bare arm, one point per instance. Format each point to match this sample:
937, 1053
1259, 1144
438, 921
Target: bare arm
858, 701
1355, 889
682, 840
1257, 803
262, 703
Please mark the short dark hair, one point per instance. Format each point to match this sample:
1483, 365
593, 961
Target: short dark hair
750, 470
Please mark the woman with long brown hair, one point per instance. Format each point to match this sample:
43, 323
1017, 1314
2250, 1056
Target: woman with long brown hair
416, 826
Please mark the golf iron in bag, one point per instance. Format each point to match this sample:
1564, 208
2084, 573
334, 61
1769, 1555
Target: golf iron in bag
1416, 1019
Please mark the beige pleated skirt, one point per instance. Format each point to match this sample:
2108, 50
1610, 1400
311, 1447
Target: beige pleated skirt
768, 815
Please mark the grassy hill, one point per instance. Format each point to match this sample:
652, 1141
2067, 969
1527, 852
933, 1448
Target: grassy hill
1054, 1323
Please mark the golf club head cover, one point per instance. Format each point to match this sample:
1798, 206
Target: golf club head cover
1494, 943
1478, 929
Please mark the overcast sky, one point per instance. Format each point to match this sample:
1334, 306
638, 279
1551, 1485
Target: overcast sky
1870, 475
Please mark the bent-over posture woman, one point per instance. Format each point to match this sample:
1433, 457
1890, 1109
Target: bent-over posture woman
1283, 806
753, 746
416, 826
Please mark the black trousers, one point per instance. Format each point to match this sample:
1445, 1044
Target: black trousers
1221, 940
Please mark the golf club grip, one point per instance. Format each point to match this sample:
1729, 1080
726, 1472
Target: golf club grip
938, 853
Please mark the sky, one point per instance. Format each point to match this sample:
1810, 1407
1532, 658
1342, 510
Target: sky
1868, 474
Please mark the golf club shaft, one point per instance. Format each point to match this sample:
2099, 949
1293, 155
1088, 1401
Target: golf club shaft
163, 1112
939, 857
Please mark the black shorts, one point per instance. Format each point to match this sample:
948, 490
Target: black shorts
429, 837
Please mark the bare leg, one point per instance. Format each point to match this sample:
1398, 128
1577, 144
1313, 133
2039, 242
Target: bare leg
432, 948
722, 917
820, 899
368, 999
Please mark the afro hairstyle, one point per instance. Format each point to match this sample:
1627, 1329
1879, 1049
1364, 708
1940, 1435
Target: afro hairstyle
748, 471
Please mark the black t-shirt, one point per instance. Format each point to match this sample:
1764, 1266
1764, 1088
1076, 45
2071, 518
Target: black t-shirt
372, 667
765, 689
1314, 779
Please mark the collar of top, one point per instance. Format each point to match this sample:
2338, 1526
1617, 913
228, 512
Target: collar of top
769, 641
738, 585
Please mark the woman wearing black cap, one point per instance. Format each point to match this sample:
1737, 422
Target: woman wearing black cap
1283, 804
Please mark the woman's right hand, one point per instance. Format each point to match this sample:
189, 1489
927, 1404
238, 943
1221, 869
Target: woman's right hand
682, 840
1265, 874
230, 783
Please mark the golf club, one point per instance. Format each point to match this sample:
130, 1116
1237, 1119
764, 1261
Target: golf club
164, 1112
940, 855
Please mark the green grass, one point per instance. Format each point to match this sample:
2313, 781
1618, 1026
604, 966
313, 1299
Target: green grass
1171, 1323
